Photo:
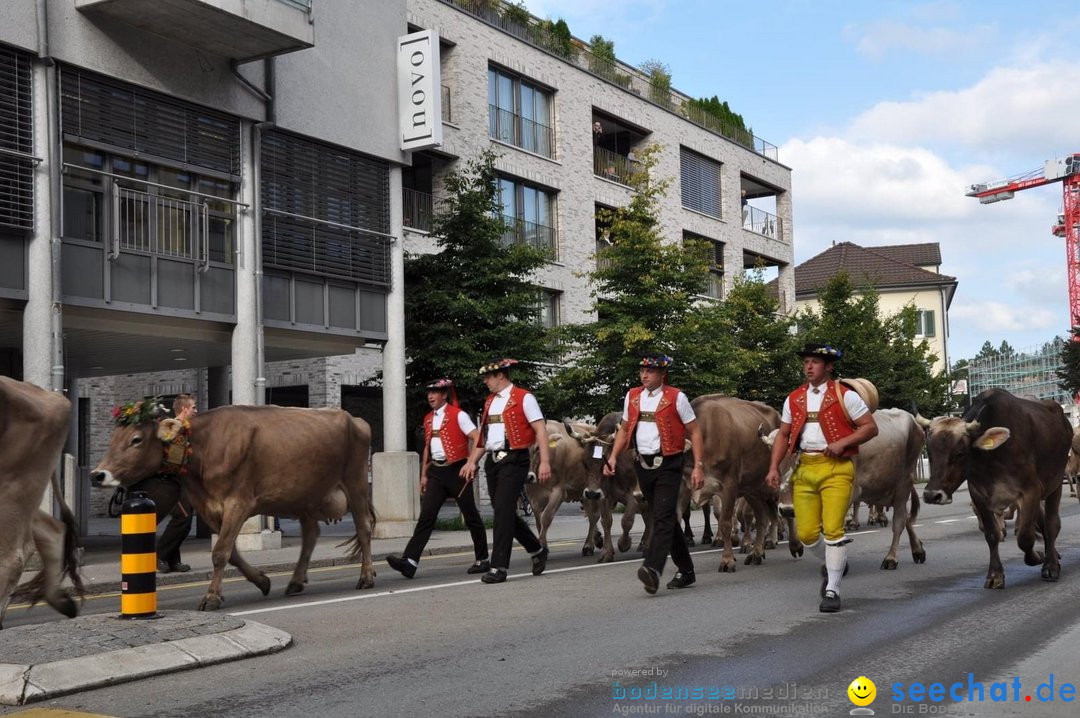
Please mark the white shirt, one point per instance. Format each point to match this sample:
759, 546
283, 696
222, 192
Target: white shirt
496, 433
813, 439
647, 435
463, 422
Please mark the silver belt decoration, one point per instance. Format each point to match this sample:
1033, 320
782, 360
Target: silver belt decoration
652, 465
435, 462
498, 456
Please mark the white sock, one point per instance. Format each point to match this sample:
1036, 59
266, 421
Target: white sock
835, 560
414, 563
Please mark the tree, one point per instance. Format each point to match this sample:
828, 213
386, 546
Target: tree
1069, 373
643, 290
1005, 350
474, 295
988, 351
881, 350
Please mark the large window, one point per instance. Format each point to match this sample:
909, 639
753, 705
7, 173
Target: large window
16, 141
548, 300
714, 283
700, 181
924, 323
519, 113
529, 212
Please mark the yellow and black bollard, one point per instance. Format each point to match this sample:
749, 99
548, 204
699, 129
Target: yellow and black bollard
138, 562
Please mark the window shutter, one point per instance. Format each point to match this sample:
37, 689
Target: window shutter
700, 183
17, 135
131, 118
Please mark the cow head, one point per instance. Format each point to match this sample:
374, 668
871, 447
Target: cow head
597, 448
135, 452
949, 444
787, 470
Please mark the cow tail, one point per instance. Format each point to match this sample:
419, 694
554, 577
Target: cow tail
914, 505
352, 545
71, 539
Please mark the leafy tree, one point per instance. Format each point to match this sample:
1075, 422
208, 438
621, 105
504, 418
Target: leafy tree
659, 75
1069, 373
730, 123
472, 300
988, 351
882, 350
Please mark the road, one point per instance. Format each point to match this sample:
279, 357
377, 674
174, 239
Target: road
566, 643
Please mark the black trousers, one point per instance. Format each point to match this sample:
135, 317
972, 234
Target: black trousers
505, 480
444, 483
661, 489
169, 500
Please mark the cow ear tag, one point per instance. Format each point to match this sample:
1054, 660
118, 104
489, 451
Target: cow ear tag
552, 442
598, 452
168, 429
993, 438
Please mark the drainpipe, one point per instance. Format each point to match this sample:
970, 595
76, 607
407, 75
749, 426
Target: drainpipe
56, 315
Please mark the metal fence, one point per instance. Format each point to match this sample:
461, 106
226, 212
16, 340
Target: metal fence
416, 209
522, 132
613, 166
541, 236
160, 225
761, 222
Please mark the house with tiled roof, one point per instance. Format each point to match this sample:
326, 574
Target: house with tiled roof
902, 274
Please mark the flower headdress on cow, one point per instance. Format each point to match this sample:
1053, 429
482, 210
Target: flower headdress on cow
134, 413
824, 351
444, 385
497, 365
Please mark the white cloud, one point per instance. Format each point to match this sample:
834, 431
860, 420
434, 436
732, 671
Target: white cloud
881, 38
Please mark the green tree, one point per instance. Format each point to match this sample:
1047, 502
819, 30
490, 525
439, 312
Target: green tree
659, 75
643, 290
473, 299
730, 123
1069, 373
882, 350
1005, 350
988, 351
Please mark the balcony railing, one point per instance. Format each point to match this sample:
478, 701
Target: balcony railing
613, 166
522, 132
625, 76
761, 222
160, 225
304, 5
416, 209
447, 108
714, 285
520, 231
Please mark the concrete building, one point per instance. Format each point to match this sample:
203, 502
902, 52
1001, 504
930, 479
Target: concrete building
218, 198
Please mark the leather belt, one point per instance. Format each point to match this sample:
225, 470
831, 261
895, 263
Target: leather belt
440, 464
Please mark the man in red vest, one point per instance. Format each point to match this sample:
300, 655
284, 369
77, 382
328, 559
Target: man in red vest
448, 434
510, 425
823, 423
656, 420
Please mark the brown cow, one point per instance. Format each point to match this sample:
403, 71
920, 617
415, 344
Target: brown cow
307, 464
1009, 450
1072, 466
736, 461
33, 429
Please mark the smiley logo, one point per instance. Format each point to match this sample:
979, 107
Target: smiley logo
862, 691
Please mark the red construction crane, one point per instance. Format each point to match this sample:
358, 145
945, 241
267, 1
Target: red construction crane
1067, 171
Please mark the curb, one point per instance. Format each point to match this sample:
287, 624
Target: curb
198, 576
20, 683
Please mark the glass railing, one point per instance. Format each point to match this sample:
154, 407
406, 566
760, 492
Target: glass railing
519, 131
613, 166
416, 208
761, 222
519, 231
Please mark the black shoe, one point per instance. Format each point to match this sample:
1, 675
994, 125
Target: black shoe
682, 580
540, 561
179, 567
830, 603
825, 576
163, 567
402, 566
495, 575
479, 566
650, 578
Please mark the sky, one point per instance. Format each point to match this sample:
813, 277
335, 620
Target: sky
886, 112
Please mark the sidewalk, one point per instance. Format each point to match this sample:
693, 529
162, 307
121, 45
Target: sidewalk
51, 659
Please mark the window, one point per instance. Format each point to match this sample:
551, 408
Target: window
16, 135
714, 283
519, 113
549, 308
700, 182
924, 323
529, 212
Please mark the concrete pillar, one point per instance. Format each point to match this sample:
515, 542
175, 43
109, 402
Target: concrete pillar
395, 471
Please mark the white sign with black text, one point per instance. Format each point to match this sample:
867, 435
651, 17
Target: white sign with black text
419, 90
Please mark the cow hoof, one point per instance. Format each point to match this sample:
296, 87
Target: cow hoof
754, 559
606, 558
884, 522
995, 582
598, 540
1051, 573
263, 583
888, 564
706, 539
690, 541
587, 550
66, 605
641, 548
1035, 558
727, 567
211, 602
365, 582
770, 544
851, 525
294, 588
918, 556
624, 544
796, 550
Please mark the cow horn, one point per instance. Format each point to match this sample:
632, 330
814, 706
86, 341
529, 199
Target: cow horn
921, 420
972, 427
571, 432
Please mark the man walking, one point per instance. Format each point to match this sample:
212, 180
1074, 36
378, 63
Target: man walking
449, 434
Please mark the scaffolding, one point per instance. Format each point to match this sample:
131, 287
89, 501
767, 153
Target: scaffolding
1029, 374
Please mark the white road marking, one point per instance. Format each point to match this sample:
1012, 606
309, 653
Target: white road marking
948, 521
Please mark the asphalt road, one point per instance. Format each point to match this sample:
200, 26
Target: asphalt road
579, 640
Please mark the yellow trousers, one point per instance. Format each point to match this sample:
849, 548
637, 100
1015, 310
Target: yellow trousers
821, 493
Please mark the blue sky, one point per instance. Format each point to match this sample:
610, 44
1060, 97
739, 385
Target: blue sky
886, 112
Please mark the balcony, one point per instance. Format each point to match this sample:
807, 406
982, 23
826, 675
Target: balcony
761, 222
613, 166
237, 29
540, 236
514, 129
416, 209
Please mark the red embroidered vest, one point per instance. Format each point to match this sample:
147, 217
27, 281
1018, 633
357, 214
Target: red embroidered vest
834, 422
668, 423
454, 441
519, 432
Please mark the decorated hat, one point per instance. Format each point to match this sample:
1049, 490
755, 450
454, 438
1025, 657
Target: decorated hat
497, 364
656, 361
826, 352
446, 385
